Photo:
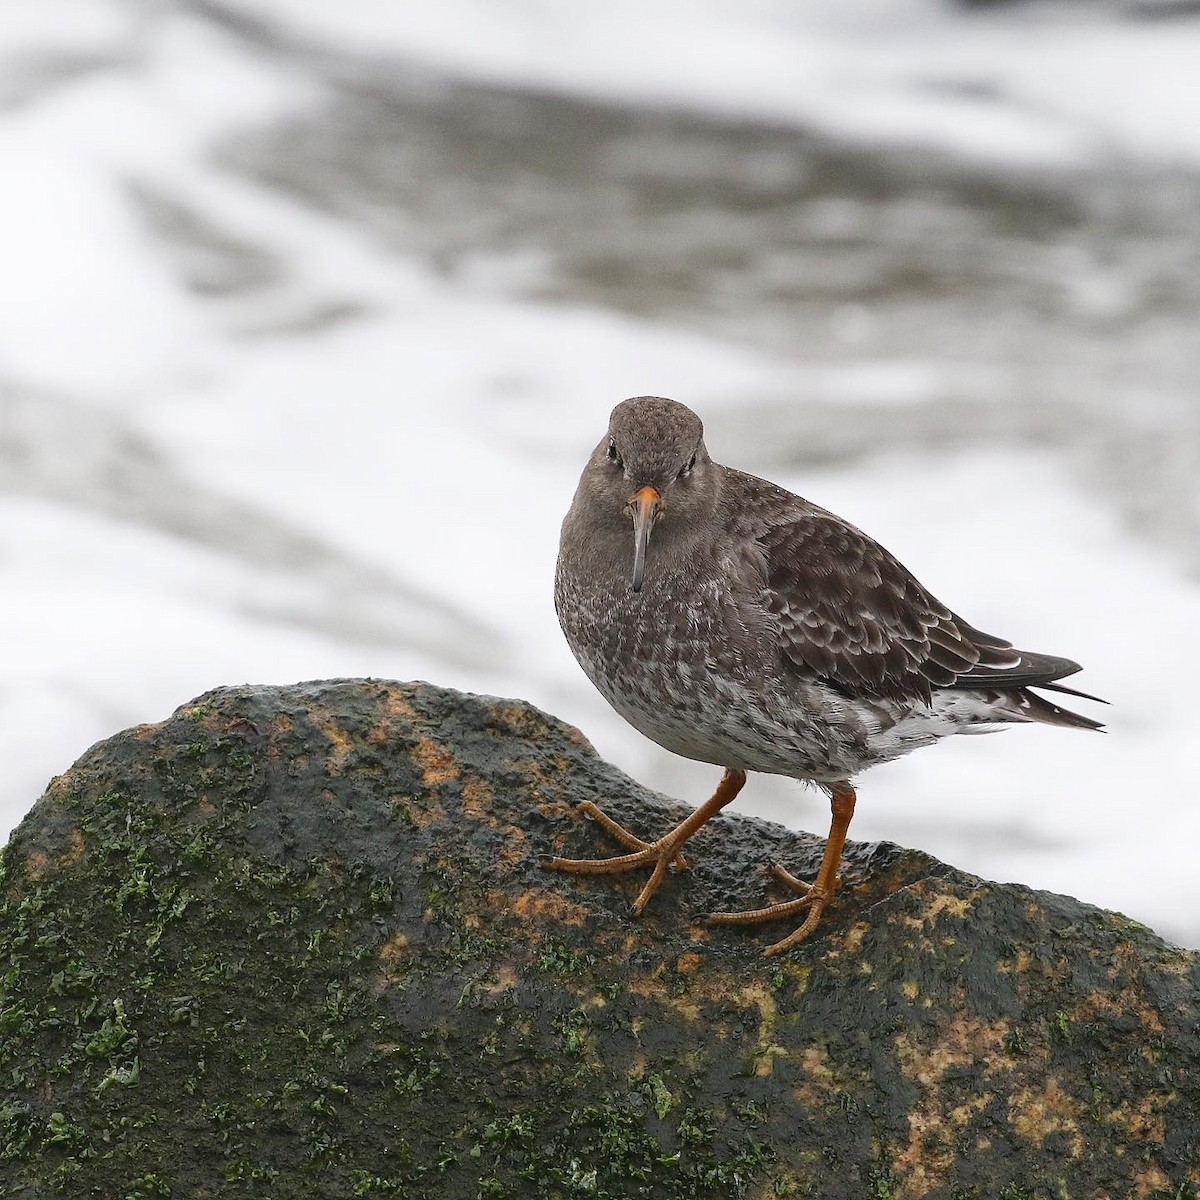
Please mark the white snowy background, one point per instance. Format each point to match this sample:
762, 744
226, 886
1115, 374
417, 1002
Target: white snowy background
260, 422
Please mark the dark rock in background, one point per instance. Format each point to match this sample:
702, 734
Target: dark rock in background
296, 942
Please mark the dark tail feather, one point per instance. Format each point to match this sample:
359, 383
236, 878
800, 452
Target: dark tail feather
1049, 713
1058, 687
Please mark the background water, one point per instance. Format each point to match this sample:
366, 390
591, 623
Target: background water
310, 315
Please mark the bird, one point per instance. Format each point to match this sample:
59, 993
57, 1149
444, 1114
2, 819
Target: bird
738, 624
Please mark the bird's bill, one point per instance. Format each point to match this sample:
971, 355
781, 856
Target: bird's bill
645, 504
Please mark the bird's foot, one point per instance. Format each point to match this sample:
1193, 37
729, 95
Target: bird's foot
661, 855
812, 896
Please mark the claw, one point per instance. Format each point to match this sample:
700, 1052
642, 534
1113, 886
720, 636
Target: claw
813, 896
662, 854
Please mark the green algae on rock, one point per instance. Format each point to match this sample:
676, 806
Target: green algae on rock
295, 942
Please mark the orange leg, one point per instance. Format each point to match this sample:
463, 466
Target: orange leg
660, 854
813, 896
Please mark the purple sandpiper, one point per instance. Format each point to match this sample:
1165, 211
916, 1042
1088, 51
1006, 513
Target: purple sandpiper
749, 628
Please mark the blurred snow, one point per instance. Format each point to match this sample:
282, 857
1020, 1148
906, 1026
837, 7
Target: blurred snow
1036, 83
244, 437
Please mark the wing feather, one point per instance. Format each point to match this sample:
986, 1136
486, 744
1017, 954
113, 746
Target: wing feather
849, 613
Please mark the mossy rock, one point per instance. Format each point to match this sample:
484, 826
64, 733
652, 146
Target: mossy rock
296, 942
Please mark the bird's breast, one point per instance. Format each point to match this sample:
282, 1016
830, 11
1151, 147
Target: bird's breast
674, 660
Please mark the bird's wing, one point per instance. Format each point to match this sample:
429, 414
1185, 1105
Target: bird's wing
848, 613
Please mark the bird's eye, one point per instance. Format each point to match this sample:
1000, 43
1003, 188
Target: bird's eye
613, 456
686, 469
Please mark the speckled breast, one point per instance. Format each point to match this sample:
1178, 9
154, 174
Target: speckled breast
679, 665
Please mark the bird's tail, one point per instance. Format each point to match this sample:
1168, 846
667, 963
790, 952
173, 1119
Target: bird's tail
1038, 708
1028, 671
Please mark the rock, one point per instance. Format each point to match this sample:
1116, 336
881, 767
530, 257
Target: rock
295, 942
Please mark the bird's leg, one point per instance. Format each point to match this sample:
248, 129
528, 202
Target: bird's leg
660, 854
814, 896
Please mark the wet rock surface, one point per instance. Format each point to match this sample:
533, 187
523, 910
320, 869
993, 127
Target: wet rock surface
295, 941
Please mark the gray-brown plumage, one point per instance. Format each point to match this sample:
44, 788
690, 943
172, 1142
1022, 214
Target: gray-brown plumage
744, 626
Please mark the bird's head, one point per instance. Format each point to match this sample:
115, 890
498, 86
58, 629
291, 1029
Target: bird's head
652, 468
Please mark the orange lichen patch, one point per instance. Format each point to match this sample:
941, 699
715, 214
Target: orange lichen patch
398, 715
965, 1040
382, 733
763, 998
936, 1123
393, 956
1145, 1121
538, 904
343, 744
1178, 962
662, 984
477, 802
1036, 1114
764, 1063
1019, 964
74, 851
503, 979
933, 1136
819, 1084
1153, 1182
394, 947
428, 811
397, 705
1128, 1002
437, 764
941, 902
754, 993
518, 719
638, 1066
852, 939
814, 1061
39, 864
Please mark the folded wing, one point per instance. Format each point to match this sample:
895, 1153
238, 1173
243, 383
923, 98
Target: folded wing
851, 615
